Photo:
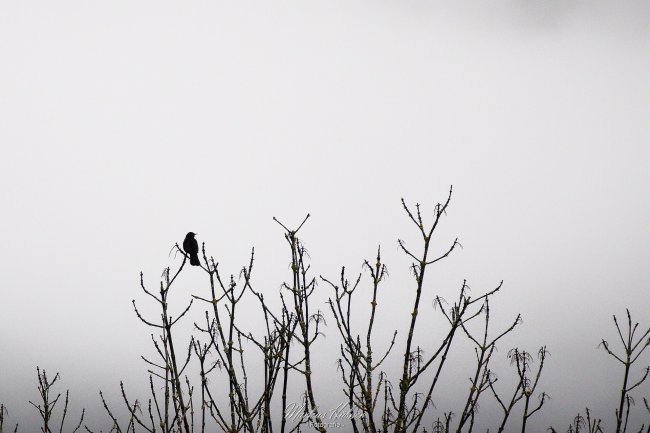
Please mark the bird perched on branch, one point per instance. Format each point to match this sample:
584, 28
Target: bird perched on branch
191, 247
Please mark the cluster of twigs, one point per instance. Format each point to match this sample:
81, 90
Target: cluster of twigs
221, 396
46, 406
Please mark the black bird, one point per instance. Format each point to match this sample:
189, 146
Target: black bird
191, 247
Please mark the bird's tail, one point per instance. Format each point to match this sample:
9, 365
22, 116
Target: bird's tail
194, 260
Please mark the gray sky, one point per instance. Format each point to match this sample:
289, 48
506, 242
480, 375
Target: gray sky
126, 124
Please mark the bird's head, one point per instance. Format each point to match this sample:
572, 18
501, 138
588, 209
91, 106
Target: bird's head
190, 235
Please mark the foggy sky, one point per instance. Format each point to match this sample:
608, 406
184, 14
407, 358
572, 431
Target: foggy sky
124, 125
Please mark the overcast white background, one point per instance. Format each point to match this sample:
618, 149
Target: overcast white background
124, 125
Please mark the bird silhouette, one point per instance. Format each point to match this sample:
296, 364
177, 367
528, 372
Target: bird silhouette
191, 247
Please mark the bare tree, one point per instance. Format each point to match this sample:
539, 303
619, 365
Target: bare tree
633, 346
47, 404
527, 383
372, 402
483, 376
4, 413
